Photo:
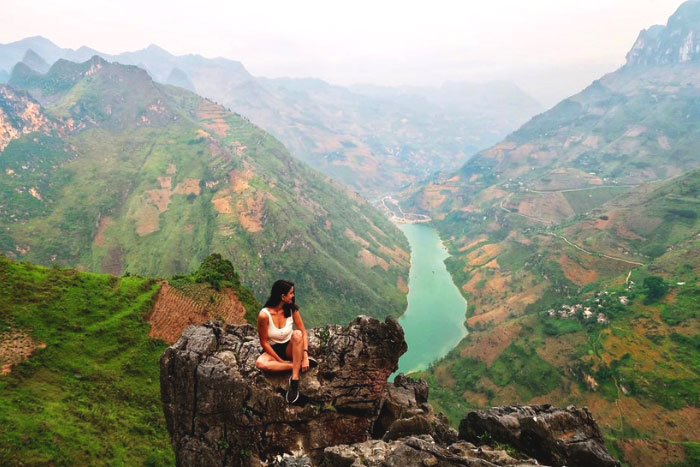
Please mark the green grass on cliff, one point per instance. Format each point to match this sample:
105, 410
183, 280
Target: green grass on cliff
91, 397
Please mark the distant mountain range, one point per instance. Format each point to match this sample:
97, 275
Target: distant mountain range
373, 139
553, 233
103, 169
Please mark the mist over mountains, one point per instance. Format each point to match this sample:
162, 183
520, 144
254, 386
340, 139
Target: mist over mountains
373, 139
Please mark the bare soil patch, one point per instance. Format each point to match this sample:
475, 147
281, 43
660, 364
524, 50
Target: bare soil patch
174, 310
160, 198
187, 187
549, 207
557, 351
476, 241
223, 205
171, 170
647, 453
575, 272
370, 260
212, 117
491, 193
239, 179
402, 286
165, 182
444, 377
483, 254
355, 238
15, 347
112, 263
105, 222
475, 399
250, 212
398, 256
487, 346
147, 219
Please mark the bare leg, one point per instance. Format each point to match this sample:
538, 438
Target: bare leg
297, 353
265, 362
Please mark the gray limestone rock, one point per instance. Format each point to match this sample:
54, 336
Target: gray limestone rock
551, 435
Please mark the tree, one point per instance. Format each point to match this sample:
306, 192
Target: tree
655, 287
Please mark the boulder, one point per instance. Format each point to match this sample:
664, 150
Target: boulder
551, 435
415, 451
405, 411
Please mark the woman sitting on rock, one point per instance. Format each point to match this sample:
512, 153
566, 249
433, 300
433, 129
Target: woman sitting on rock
284, 348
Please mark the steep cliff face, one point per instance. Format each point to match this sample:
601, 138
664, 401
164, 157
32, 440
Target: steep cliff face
19, 115
677, 42
221, 410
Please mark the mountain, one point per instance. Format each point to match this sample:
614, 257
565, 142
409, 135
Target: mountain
178, 78
561, 237
35, 62
677, 42
116, 173
371, 143
375, 140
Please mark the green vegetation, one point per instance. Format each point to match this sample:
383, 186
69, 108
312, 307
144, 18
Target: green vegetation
91, 397
151, 179
692, 455
655, 287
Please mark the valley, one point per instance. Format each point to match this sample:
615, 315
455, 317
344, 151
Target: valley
576, 241
144, 192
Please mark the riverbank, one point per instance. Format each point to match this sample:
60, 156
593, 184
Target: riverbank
433, 322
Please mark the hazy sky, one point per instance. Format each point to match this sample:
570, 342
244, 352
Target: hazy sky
546, 46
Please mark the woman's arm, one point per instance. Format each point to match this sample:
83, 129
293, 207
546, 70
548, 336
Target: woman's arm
263, 324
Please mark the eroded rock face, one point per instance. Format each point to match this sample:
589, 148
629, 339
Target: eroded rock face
417, 451
551, 435
221, 410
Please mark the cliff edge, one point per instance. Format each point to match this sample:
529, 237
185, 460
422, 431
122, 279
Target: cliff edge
221, 410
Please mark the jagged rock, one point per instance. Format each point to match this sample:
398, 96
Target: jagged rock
414, 451
221, 410
551, 435
405, 411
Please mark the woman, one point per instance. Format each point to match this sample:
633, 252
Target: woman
284, 348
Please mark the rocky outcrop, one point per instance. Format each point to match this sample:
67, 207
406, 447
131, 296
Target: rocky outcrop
677, 42
551, 435
417, 451
221, 410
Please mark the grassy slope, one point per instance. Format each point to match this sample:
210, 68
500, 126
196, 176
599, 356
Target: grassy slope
91, 397
516, 270
501, 215
108, 169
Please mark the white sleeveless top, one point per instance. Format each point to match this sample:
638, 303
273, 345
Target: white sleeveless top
278, 335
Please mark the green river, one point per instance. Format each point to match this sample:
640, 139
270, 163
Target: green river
434, 319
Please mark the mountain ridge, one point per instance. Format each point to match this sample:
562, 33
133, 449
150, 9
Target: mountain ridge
153, 178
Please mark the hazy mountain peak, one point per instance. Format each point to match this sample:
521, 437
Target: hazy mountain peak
677, 42
155, 49
179, 78
35, 62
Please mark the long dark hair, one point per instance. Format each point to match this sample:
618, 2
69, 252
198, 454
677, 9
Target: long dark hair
280, 288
